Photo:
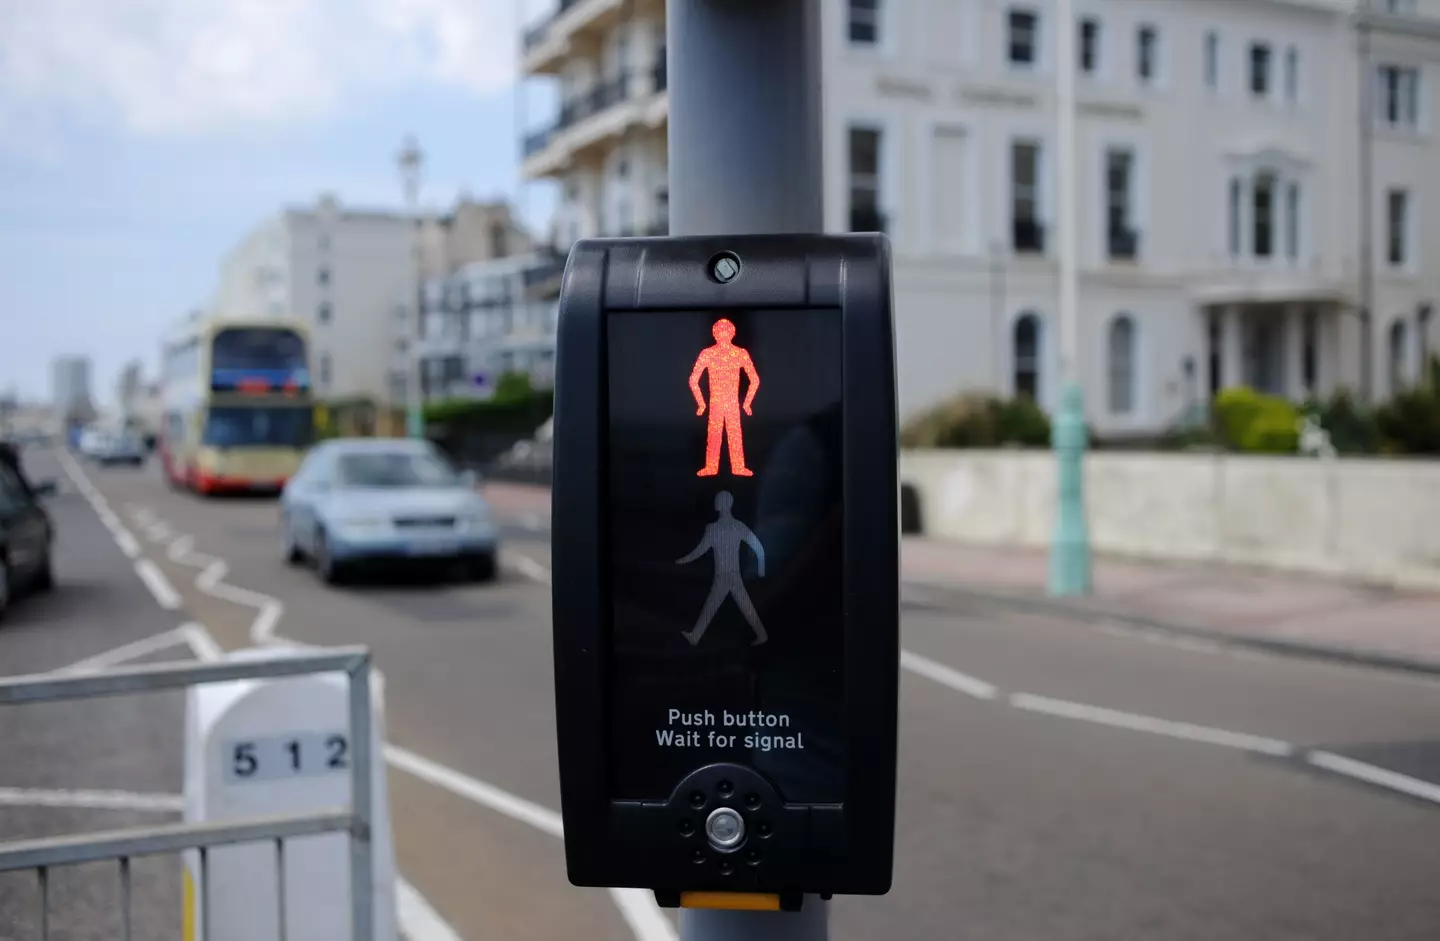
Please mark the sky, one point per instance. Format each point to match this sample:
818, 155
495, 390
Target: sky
141, 139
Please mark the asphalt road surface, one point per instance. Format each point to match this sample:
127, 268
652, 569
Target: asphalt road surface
1057, 780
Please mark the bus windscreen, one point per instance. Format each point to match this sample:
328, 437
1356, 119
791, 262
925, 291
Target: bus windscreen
245, 427
258, 359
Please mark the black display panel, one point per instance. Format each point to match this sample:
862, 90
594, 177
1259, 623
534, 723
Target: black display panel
726, 632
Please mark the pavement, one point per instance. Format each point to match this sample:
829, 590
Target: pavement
1058, 778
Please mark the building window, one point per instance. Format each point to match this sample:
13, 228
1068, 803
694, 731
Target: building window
1400, 6
1292, 74
1399, 354
325, 369
1147, 53
322, 313
1024, 37
865, 180
1263, 221
1310, 351
1397, 224
1119, 195
323, 276
1236, 203
1212, 60
499, 241
1399, 93
1027, 356
865, 22
1260, 69
1215, 334
1028, 234
1089, 45
1292, 221
1120, 357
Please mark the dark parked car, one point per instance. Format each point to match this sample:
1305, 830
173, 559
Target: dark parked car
26, 533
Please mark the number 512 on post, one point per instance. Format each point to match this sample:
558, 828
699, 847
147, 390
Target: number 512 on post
277, 757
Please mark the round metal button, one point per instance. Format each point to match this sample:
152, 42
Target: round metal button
725, 828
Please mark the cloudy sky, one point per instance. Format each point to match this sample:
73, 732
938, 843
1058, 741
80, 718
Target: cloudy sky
140, 139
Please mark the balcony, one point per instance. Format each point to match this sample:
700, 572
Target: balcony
866, 219
593, 118
574, 23
1028, 236
1123, 244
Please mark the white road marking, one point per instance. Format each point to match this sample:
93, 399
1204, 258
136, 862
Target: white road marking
1371, 774
527, 567
533, 521
1141, 723
202, 644
91, 800
127, 543
461, 785
646, 921
165, 594
159, 531
140, 648
945, 676
418, 917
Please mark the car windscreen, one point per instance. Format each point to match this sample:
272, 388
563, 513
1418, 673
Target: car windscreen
273, 427
395, 469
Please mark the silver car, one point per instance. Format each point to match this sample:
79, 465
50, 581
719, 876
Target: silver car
386, 501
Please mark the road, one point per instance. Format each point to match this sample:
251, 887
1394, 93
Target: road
1057, 780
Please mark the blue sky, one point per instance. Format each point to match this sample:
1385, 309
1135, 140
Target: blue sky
140, 139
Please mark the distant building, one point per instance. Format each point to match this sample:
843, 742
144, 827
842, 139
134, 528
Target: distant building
1221, 192
485, 320
348, 273
139, 400
70, 387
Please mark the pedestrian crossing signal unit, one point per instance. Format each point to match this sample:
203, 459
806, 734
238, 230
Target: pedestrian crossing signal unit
726, 565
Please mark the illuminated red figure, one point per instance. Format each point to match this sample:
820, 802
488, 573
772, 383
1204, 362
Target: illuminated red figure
725, 361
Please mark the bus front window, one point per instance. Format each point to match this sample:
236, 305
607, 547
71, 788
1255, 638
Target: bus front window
257, 348
258, 427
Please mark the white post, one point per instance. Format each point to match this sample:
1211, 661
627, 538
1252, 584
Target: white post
410, 160
1066, 224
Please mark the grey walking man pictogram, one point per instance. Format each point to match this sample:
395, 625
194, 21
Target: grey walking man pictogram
723, 537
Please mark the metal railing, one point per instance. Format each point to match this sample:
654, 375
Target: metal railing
44, 854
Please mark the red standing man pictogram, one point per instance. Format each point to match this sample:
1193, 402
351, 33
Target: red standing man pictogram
725, 361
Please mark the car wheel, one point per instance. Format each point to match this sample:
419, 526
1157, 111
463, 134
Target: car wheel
4, 587
325, 565
288, 549
44, 579
482, 568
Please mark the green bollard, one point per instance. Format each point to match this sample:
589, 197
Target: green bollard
1070, 548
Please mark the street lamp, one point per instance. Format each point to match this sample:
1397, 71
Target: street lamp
1070, 548
410, 160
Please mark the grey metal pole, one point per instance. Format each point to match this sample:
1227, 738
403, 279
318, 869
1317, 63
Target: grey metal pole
1367, 211
746, 142
746, 120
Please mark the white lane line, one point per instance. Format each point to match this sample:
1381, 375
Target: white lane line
646, 921
213, 570
165, 594
448, 779
1371, 774
1139, 723
127, 543
418, 917
140, 648
123, 537
945, 676
159, 531
528, 567
202, 644
533, 521
637, 907
91, 800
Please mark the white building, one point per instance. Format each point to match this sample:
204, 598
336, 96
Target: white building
348, 273
483, 321
70, 387
1220, 184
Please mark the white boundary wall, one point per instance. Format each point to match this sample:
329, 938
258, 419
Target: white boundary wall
1372, 519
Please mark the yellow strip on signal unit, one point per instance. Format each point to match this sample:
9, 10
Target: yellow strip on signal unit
187, 925
734, 901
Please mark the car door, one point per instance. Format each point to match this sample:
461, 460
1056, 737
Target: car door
24, 524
